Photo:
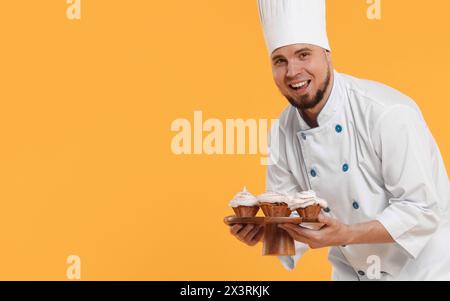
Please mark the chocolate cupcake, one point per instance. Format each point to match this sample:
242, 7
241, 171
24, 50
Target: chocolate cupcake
274, 204
244, 204
307, 205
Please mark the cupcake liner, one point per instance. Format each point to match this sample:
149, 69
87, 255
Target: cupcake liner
275, 209
310, 213
246, 211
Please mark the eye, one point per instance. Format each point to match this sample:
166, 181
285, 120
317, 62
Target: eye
278, 62
304, 55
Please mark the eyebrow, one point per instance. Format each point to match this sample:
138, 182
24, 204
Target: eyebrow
297, 52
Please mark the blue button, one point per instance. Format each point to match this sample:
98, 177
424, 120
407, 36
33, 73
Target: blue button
327, 210
303, 136
345, 167
338, 128
355, 205
361, 273
313, 173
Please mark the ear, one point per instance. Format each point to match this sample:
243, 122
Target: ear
328, 55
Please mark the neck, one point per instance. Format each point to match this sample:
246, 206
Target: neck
310, 115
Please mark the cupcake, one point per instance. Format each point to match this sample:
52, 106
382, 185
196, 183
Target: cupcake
307, 205
244, 204
274, 204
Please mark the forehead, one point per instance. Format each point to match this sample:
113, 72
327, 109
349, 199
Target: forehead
292, 49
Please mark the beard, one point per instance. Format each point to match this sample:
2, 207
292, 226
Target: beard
306, 102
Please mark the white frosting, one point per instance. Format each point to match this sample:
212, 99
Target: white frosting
244, 198
322, 203
273, 197
305, 199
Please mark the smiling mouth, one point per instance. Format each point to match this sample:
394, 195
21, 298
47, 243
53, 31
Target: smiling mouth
300, 86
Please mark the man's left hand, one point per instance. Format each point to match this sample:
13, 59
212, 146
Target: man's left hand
333, 233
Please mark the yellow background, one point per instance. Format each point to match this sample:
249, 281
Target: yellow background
85, 111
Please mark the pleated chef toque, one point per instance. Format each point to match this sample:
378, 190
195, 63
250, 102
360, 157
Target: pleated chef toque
287, 22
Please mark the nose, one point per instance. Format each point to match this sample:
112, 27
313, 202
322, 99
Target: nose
293, 69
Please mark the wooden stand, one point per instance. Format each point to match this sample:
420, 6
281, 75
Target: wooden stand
277, 242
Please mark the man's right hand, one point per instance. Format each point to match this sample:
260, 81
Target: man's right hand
249, 234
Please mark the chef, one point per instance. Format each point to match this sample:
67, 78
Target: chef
362, 146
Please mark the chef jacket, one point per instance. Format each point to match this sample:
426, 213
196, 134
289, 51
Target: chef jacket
372, 157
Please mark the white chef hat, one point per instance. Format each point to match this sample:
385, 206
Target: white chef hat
287, 22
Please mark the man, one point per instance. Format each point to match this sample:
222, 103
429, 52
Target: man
360, 145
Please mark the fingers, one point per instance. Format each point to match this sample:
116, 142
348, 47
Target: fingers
298, 233
259, 235
250, 237
246, 230
249, 234
295, 228
325, 219
241, 234
288, 226
292, 233
235, 229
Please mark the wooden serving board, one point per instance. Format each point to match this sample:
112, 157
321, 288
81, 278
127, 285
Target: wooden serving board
277, 242
231, 220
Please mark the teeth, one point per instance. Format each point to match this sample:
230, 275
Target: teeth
299, 85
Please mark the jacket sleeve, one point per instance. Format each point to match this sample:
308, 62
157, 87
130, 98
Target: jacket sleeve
280, 179
404, 145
